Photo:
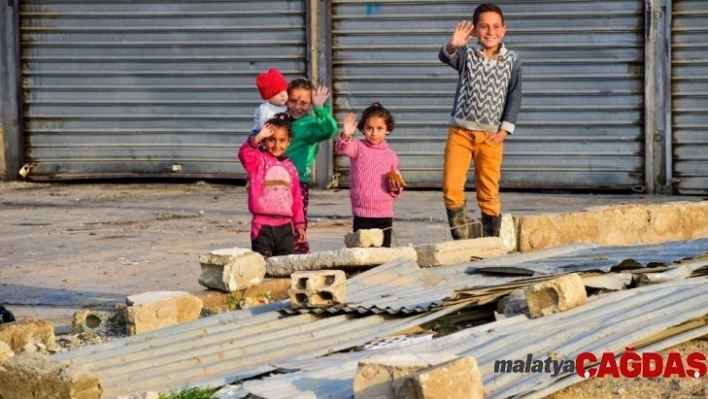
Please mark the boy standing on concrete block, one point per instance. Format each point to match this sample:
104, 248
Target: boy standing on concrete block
487, 102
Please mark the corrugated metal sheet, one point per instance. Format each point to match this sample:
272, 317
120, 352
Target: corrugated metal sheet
224, 348
118, 89
403, 287
581, 123
606, 258
689, 94
607, 323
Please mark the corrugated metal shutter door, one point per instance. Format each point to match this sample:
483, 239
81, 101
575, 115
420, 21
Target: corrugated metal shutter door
131, 88
689, 66
581, 124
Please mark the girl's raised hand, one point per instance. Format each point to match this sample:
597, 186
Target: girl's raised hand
320, 96
462, 34
349, 126
266, 131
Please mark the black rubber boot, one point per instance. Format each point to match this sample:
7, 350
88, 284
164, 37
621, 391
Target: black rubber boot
458, 223
491, 225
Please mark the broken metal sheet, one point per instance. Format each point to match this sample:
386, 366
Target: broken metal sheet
679, 273
604, 259
609, 322
220, 349
610, 281
402, 286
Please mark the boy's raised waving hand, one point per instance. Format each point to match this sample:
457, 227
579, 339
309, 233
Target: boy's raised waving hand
460, 37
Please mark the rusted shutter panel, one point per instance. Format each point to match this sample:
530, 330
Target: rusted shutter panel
149, 88
689, 66
581, 124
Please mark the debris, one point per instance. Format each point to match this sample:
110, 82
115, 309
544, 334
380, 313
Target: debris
278, 266
317, 288
154, 310
231, 269
557, 295
364, 238
459, 378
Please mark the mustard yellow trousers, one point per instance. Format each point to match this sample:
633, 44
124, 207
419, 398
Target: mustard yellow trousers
462, 147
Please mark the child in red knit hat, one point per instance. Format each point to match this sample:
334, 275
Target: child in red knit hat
274, 91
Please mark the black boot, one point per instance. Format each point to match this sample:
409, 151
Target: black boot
458, 223
491, 225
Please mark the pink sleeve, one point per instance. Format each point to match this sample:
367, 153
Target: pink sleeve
249, 156
298, 213
348, 147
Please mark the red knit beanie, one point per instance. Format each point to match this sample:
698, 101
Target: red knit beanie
271, 83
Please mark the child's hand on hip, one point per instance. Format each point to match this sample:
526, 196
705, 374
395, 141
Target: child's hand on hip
320, 96
349, 126
301, 236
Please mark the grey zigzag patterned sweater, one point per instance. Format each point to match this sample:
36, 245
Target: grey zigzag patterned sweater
488, 95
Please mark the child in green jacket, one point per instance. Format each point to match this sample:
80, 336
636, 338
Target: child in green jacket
312, 123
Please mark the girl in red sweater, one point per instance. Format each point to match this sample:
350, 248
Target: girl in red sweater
374, 179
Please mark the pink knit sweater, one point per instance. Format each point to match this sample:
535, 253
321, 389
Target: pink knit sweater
368, 177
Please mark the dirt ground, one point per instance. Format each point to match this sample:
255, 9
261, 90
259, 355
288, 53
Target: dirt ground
68, 246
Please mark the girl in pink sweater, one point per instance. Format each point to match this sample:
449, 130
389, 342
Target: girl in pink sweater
372, 187
274, 189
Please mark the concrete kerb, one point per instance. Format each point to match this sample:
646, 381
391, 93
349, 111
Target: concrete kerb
614, 225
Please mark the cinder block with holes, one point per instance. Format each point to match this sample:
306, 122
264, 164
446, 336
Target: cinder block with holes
319, 288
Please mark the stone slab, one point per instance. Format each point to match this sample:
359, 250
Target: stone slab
33, 376
459, 251
459, 378
380, 376
154, 310
280, 266
231, 269
28, 331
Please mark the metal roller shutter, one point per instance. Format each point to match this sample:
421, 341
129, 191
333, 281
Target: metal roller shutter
581, 124
149, 88
689, 66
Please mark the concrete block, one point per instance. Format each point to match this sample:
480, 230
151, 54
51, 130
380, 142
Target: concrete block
28, 331
99, 320
364, 238
557, 295
154, 310
231, 269
33, 376
5, 351
381, 376
278, 266
317, 288
459, 251
459, 378
507, 233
